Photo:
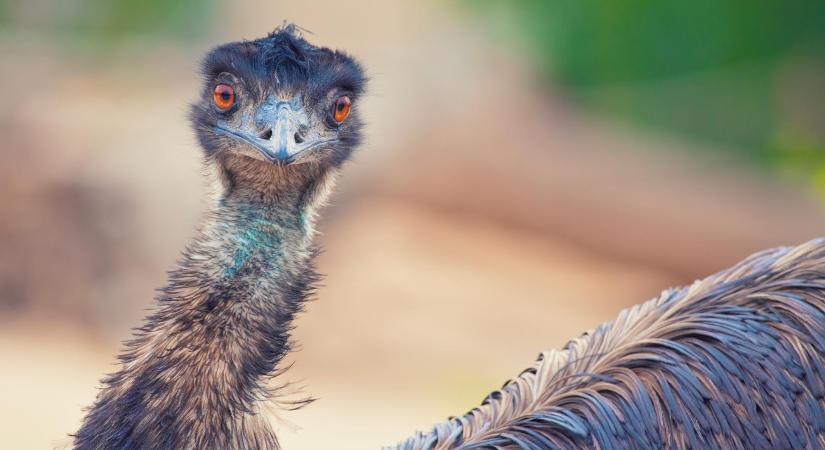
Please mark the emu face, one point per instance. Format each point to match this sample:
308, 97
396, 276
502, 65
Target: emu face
279, 100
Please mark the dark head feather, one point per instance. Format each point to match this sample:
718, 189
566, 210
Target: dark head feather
282, 65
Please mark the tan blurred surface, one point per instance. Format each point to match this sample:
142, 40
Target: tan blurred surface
483, 222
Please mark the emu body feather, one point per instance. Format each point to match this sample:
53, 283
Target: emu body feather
736, 360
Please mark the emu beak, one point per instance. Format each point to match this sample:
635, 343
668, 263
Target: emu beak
284, 135
283, 140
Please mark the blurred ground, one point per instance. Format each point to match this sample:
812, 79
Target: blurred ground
485, 220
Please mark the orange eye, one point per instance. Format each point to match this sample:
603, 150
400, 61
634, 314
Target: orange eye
341, 110
224, 96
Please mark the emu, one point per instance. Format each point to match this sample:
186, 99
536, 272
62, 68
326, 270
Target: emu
732, 361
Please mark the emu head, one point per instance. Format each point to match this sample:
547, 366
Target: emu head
279, 102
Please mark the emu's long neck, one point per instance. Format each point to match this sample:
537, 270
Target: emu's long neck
194, 373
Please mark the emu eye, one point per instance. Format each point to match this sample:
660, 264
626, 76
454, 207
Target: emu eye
341, 109
224, 96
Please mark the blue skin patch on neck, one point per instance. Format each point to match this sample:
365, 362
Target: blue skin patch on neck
305, 219
255, 235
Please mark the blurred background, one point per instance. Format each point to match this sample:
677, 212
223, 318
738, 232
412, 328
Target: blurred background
531, 169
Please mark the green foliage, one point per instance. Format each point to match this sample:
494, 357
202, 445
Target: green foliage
722, 71
180, 18
108, 20
590, 42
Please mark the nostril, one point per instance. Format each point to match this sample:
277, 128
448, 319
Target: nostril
266, 134
298, 138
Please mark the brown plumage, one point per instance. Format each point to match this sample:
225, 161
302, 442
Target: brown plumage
196, 374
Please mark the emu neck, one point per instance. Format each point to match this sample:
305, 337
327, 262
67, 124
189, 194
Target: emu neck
195, 373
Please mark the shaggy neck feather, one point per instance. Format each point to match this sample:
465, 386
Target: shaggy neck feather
194, 373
